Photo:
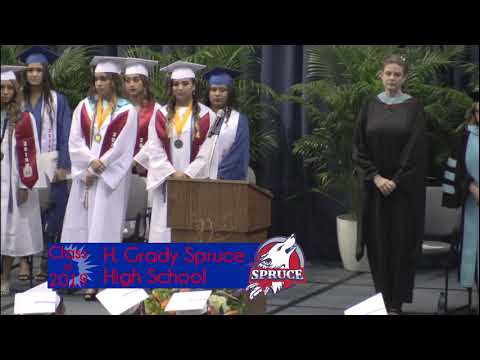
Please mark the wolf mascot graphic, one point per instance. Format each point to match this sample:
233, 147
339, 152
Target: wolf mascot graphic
277, 257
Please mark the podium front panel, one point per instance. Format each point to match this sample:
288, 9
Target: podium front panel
218, 206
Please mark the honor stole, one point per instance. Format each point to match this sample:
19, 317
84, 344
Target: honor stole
114, 129
144, 117
26, 151
161, 129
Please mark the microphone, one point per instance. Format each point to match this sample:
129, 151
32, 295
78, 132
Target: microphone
218, 123
215, 131
220, 113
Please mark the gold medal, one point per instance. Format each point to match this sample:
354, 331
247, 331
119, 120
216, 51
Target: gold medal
98, 138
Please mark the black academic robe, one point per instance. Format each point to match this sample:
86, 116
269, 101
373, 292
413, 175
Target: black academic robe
456, 190
390, 140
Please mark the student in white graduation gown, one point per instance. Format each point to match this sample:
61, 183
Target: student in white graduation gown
177, 143
102, 141
21, 226
53, 118
231, 156
139, 93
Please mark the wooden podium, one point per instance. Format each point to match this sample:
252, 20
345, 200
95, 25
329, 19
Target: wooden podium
219, 211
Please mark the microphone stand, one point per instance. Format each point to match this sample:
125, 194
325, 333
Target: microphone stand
215, 131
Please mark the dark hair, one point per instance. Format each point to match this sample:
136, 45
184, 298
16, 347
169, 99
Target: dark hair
470, 118
396, 59
171, 107
14, 107
147, 90
231, 100
47, 86
117, 85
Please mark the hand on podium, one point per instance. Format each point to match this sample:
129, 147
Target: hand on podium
180, 175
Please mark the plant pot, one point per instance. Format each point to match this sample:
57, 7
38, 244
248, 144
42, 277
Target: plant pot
347, 243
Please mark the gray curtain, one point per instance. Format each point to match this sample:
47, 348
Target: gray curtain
310, 216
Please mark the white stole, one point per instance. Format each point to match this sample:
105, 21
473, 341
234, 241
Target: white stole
224, 142
48, 142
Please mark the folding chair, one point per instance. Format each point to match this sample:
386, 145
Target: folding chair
441, 235
136, 211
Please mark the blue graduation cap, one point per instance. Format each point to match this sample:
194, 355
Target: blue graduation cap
221, 76
37, 55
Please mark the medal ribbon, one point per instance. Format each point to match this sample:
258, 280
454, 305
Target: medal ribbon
102, 113
180, 122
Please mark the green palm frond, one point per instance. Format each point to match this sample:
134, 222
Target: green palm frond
9, 53
244, 86
71, 72
427, 65
229, 56
263, 140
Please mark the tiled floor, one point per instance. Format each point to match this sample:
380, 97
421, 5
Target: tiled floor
329, 291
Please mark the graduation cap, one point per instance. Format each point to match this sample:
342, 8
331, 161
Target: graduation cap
8, 72
135, 66
37, 55
183, 70
221, 76
108, 64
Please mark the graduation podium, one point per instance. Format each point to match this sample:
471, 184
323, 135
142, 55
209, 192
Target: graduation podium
219, 211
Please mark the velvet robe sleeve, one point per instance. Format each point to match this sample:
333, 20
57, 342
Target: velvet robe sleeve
364, 167
456, 179
413, 157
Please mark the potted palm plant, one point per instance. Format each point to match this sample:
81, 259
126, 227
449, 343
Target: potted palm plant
339, 79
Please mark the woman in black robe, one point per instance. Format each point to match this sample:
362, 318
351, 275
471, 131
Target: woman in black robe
390, 161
